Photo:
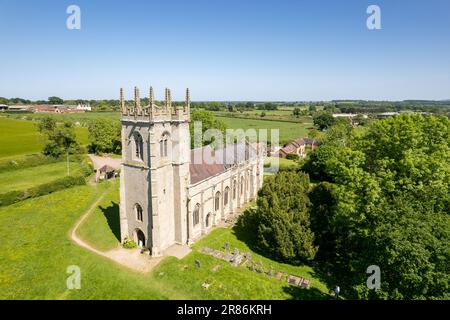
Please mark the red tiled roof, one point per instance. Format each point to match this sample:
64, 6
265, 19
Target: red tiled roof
205, 163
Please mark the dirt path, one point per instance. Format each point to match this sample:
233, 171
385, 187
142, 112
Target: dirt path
130, 258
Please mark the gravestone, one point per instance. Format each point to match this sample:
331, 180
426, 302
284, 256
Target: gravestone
227, 246
236, 251
197, 264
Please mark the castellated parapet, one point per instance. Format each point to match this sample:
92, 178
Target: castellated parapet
153, 112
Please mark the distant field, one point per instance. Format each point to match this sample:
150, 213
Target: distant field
19, 137
277, 115
22, 179
288, 131
82, 118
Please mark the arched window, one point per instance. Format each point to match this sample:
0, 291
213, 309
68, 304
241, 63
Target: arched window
138, 211
225, 196
138, 146
208, 220
196, 215
234, 188
163, 145
247, 181
217, 201
242, 185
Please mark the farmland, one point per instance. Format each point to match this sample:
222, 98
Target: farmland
20, 137
288, 131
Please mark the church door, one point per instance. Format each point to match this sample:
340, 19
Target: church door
140, 238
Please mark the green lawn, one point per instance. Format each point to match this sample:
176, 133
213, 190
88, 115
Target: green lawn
19, 137
21, 179
282, 162
102, 228
36, 251
288, 131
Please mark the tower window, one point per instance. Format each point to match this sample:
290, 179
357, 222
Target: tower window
138, 211
138, 146
163, 149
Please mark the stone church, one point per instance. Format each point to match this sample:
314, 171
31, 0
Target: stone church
170, 194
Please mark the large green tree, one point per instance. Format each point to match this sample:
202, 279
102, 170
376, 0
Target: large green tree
281, 221
323, 120
104, 136
387, 203
207, 121
60, 139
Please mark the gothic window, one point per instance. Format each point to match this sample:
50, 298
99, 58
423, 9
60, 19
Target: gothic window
225, 196
138, 210
196, 215
242, 185
138, 146
217, 201
247, 180
163, 145
208, 220
234, 188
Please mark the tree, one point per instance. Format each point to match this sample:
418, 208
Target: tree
55, 100
313, 134
208, 121
281, 220
323, 120
386, 204
105, 136
61, 139
297, 112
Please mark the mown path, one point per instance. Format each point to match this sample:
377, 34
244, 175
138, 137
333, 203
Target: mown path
130, 258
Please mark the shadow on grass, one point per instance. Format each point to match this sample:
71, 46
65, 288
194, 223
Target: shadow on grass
112, 215
249, 238
322, 271
297, 293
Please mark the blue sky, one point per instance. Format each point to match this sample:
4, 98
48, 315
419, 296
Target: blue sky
226, 50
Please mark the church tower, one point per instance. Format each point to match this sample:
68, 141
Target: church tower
155, 172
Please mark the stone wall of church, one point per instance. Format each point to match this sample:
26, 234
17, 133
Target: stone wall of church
234, 188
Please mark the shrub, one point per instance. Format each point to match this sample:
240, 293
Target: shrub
43, 189
27, 161
292, 156
129, 243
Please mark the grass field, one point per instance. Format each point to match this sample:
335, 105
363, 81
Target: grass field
102, 228
36, 251
288, 131
22, 179
19, 137
82, 118
277, 115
